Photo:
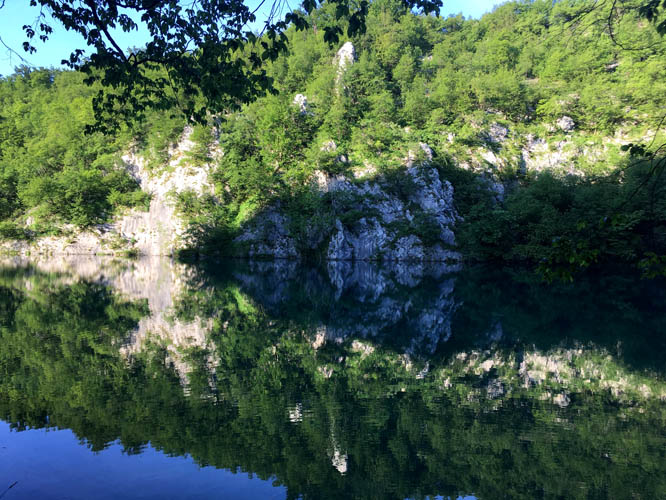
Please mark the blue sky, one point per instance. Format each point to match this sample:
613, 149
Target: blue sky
16, 13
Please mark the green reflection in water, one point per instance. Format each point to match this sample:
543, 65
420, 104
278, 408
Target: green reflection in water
347, 381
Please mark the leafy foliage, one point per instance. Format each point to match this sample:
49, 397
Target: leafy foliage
416, 78
50, 168
444, 81
201, 58
567, 225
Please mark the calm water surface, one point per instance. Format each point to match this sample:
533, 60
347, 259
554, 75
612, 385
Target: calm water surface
154, 379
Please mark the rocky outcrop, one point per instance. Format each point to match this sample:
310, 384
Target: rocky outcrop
566, 124
561, 147
156, 231
496, 133
345, 56
391, 233
301, 101
268, 235
159, 231
369, 221
73, 243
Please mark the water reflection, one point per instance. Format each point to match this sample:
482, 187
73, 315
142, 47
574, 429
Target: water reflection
349, 380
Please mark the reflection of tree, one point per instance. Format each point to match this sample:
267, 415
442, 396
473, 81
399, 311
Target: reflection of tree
272, 411
625, 316
59, 357
473, 310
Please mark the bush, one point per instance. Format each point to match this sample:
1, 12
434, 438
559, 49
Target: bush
200, 153
566, 225
11, 231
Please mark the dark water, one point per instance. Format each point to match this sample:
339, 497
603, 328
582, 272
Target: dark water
150, 379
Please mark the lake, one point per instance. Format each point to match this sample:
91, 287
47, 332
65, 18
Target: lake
150, 378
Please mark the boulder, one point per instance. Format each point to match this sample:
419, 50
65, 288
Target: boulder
301, 101
566, 124
345, 56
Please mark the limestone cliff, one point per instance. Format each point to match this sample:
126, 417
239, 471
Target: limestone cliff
410, 217
156, 231
367, 221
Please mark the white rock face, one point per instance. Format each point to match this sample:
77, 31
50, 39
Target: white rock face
340, 247
267, 235
301, 102
345, 56
382, 233
368, 170
436, 199
365, 242
327, 183
566, 124
496, 187
157, 231
373, 238
491, 157
329, 146
84, 243
537, 155
407, 248
382, 230
413, 156
497, 133
364, 348
562, 400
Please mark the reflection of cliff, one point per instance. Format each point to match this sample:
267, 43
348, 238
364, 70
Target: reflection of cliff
346, 416
409, 304
508, 338
156, 280
416, 321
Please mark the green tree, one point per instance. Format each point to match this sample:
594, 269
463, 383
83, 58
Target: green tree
202, 58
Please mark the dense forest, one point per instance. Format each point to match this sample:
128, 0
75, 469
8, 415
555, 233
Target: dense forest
482, 94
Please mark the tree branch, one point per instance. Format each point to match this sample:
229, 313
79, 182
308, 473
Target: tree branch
12, 51
102, 26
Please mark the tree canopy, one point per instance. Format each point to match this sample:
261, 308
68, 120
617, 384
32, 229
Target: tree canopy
203, 57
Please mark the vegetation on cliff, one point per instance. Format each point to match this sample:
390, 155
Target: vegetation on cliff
527, 110
50, 169
523, 102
